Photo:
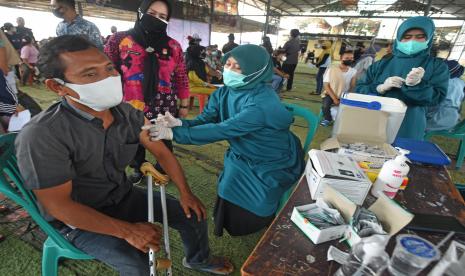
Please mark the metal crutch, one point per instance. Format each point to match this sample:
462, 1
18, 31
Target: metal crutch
161, 180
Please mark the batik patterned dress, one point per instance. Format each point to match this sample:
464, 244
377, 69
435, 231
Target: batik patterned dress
128, 57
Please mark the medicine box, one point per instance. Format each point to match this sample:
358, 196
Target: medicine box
338, 171
315, 234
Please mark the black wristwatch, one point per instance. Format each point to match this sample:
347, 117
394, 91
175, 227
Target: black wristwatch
183, 106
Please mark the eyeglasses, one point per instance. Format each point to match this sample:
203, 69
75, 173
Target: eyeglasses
417, 36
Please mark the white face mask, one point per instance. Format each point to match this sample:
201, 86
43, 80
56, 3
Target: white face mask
99, 95
283, 58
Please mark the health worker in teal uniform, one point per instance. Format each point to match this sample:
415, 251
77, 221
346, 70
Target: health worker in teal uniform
411, 75
264, 158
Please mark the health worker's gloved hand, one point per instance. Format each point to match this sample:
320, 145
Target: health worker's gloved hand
168, 120
390, 83
159, 132
415, 76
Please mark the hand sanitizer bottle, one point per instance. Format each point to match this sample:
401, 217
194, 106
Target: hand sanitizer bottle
391, 175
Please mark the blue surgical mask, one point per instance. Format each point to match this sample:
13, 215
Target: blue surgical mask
233, 79
412, 46
236, 80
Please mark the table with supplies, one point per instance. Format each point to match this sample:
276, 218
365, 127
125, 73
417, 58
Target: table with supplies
285, 250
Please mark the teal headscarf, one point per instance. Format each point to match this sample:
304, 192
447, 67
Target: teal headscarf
252, 59
419, 22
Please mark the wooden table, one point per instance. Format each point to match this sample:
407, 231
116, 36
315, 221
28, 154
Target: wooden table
285, 250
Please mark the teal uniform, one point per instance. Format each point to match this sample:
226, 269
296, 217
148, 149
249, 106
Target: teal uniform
429, 92
264, 158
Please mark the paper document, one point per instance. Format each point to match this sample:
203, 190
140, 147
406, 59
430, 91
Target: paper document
18, 121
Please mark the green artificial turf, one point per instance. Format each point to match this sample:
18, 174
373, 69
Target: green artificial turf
202, 164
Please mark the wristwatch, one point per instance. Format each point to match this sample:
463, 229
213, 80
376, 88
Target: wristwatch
183, 106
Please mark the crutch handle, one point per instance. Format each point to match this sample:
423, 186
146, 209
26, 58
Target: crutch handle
159, 178
163, 263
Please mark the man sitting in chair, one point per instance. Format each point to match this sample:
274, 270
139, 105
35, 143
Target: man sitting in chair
73, 156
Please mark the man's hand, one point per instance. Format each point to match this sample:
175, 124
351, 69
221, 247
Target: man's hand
190, 202
336, 101
168, 120
414, 77
144, 236
389, 83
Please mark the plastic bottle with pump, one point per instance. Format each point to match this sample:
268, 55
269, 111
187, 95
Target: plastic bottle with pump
366, 258
392, 175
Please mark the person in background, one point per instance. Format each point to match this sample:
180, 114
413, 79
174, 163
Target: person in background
446, 114
410, 75
230, 45
310, 57
292, 49
16, 41
365, 61
12, 62
359, 50
323, 61
73, 23
279, 56
338, 79
29, 56
267, 44
22, 30
264, 158
388, 51
212, 61
8, 98
194, 40
152, 66
113, 31
199, 81
73, 158
302, 53
14, 38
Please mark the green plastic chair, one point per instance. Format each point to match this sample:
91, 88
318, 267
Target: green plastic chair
312, 122
457, 132
11, 185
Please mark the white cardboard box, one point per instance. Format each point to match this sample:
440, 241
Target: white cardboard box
340, 172
390, 214
315, 234
359, 125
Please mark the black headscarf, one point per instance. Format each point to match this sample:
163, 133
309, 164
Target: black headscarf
154, 43
196, 54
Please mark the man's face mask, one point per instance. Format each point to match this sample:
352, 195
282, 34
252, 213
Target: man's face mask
412, 46
153, 24
58, 13
348, 62
100, 95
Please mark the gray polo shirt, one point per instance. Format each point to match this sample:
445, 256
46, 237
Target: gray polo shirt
64, 143
292, 48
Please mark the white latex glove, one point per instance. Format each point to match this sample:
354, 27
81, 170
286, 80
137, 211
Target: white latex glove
390, 83
414, 77
168, 120
159, 132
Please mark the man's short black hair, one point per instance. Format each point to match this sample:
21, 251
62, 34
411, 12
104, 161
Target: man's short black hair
347, 52
69, 3
50, 65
